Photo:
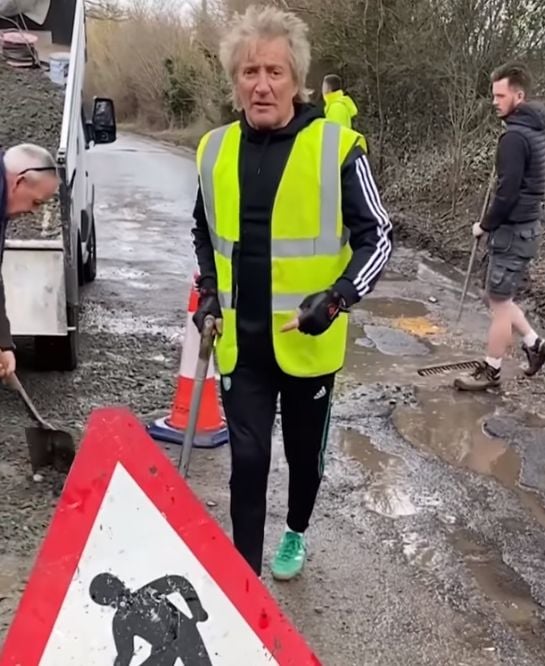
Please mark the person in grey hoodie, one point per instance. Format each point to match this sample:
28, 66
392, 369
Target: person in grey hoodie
28, 178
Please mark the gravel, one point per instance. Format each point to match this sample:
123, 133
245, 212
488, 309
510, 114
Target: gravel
31, 112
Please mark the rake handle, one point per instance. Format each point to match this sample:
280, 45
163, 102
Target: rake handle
484, 208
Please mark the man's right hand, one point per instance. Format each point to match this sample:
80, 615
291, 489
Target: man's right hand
208, 305
7, 364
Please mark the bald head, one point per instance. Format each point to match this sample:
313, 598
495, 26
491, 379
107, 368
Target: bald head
28, 156
31, 177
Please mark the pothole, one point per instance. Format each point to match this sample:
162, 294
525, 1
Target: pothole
386, 494
390, 308
453, 430
385, 354
392, 342
510, 594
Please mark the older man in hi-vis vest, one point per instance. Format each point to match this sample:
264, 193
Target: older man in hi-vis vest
290, 232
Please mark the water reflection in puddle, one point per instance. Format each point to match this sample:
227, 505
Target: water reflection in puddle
450, 426
386, 493
420, 552
452, 429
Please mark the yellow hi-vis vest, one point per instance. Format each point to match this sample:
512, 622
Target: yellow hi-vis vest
309, 245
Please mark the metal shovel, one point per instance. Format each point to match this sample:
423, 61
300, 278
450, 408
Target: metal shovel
47, 446
205, 351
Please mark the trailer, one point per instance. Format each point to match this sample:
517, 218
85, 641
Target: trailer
43, 277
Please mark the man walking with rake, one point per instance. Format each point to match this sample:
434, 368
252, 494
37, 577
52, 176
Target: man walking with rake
513, 224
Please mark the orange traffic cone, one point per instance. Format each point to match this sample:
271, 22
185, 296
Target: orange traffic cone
211, 430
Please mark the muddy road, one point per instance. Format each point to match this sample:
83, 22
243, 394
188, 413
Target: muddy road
428, 542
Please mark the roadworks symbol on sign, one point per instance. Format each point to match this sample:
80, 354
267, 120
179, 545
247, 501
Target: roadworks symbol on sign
134, 571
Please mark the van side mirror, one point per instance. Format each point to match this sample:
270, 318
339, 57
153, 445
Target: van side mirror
104, 125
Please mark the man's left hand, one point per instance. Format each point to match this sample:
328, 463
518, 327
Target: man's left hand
317, 312
477, 230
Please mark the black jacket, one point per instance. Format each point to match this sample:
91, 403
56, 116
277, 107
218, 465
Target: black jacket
262, 158
520, 167
5, 329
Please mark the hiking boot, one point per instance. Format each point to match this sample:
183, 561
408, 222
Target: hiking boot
290, 557
483, 377
535, 356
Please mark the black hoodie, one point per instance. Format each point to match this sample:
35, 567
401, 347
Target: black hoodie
262, 159
520, 168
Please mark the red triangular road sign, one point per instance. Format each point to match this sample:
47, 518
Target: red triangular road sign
134, 565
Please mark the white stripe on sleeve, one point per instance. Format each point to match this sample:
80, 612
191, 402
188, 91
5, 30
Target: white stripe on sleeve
382, 252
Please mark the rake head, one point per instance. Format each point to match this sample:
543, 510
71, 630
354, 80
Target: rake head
447, 367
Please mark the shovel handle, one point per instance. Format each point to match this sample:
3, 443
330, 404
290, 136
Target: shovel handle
205, 351
13, 383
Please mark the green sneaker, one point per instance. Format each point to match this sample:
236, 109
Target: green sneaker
290, 557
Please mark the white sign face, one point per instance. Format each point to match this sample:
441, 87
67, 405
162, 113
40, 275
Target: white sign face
140, 591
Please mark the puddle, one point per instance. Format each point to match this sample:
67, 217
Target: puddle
450, 427
383, 354
394, 307
385, 494
392, 342
527, 433
500, 584
359, 446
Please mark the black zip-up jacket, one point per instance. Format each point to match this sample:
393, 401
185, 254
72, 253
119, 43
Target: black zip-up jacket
520, 168
262, 158
6, 341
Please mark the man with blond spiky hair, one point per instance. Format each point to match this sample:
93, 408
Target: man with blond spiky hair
289, 234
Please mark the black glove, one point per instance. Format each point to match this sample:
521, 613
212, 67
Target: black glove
208, 305
319, 311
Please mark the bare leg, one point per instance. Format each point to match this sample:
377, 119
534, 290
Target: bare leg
520, 323
501, 329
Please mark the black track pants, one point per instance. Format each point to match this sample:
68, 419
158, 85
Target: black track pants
249, 397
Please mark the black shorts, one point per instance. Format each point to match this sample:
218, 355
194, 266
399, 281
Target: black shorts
510, 250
